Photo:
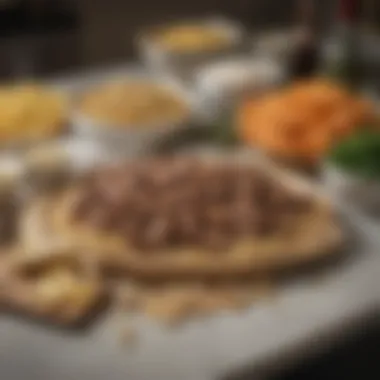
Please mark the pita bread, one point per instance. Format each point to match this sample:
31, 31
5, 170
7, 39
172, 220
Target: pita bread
310, 237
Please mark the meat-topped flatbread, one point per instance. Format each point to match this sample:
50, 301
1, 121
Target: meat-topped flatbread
186, 216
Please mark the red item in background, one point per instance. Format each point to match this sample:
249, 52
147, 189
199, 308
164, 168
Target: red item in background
349, 10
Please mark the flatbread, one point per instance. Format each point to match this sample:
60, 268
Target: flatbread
51, 290
312, 236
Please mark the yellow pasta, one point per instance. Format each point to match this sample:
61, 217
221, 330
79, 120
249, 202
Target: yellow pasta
30, 112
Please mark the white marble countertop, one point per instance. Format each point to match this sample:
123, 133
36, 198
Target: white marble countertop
301, 317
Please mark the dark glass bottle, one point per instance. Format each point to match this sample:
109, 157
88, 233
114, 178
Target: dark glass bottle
343, 61
304, 61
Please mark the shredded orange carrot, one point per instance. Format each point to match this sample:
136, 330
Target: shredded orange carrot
302, 120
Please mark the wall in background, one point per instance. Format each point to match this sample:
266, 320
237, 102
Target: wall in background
109, 26
100, 32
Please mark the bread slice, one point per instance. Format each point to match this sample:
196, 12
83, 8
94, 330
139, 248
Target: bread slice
54, 290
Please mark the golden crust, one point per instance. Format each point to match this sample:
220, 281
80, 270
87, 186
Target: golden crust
58, 297
53, 290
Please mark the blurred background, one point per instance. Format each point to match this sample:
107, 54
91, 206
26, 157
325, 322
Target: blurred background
53, 37
49, 36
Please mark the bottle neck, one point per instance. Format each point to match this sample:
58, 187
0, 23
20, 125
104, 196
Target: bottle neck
349, 15
344, 55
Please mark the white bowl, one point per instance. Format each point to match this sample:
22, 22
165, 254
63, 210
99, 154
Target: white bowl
278, 44
225, 83
159, 59
347, 187
130, 140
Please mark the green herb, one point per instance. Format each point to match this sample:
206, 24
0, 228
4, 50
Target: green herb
223, 131
359, 154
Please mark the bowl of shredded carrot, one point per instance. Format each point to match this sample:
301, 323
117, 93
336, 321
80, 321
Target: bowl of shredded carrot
301, 122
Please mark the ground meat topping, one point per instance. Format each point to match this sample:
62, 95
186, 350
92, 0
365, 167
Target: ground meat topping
175, 201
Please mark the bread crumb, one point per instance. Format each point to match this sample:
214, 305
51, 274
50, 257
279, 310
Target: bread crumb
128, 336
174, 305
127, 296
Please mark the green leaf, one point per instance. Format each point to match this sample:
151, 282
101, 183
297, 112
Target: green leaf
360, 153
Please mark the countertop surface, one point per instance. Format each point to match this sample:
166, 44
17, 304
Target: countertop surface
304, 313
